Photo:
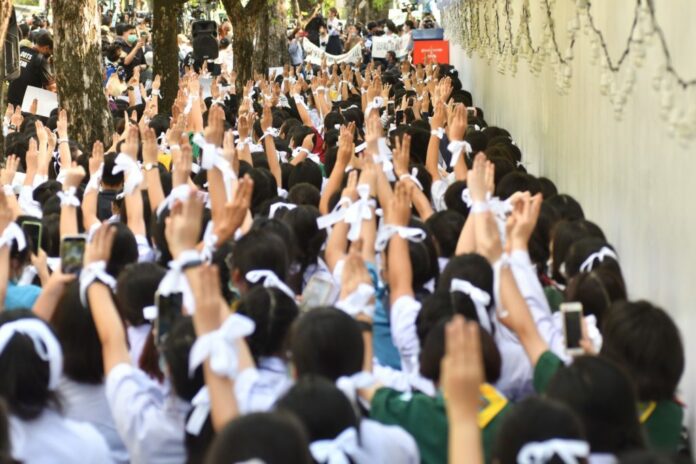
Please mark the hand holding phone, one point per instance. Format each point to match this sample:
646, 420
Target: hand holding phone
168, 312
33, 230
572, 327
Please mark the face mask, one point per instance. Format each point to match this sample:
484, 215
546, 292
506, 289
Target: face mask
132, 38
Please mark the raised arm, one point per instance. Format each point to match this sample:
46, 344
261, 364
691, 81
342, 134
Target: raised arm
399, 259
90, 197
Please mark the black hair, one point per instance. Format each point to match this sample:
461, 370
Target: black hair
135, 290
646, 342
273, 312
604, 399
309, 238
445, 227
176, 351
433, 350
596, 290
304, 194
424, 263
260, 249
520, 426
548, 188
472, 267
453, 198
652, 457
568, 208
581, 250
271, 437
5, 445
75, 329
306, 171
25, 376
540, 240
564, 234
328, 342
323, 409
124, 250
108, 178
517, 182
43, 39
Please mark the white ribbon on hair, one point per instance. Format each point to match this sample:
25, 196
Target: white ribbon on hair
92, 272
280, 205
150, 312
220, 346
386, 232
69, 197
456, 147
175, 281
95, 179
601, 255
336, 451
541, 452
466, 198
358, 212
350, 384
480, 298
130, 169
270, 280
13, 232
359, 301
201, 410
45, 344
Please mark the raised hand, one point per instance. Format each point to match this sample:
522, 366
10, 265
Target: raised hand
97, 157
7, 173
458, 123
150, 148
99, 248
183, 226
399, 211
62, 124
236, 210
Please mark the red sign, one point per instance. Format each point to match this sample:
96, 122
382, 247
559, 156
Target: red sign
431, 48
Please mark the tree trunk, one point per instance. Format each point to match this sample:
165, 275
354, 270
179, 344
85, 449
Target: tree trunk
79, 71
271, 40
5, 12
244, 21
166, 51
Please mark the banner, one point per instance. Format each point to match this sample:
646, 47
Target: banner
382, 45
315, 55
431, 49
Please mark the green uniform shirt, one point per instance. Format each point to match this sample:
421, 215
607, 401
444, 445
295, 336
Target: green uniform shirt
425, 418
661, 420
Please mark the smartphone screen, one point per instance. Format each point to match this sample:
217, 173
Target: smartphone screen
168, 312
33, 231
391, 108
572, 323
72, 251
318, 292
471, 112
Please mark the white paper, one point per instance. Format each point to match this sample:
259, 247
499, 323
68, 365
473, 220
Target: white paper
48, 101
384, 44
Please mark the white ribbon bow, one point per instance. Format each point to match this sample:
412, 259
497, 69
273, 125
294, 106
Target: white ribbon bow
179, 193
211, 158
358, 212
350, 385
95, 179
466, 198
201, 410
69, 197
130, 169
45, 344
150, 313
375, 104
336, 451
385, 158
386, 232
90, 273
270, 132
270, 280
13, 232
456, 147
413, 177
358, 301
480, 298
310, 156
220, 346
541, 452
601, 255
336, 215
280, 205
175, 281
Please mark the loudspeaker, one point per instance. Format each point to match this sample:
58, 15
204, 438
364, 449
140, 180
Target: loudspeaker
205, 44
12, 70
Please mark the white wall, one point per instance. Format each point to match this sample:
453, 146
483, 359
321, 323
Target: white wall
631, 176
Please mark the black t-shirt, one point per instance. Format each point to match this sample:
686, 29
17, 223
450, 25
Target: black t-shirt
138, 59
36, 71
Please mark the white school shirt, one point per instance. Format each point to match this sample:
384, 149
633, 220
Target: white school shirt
87, 403
137, 336
150, 422
516, 371
258, 388
381, 443
53, 439
403, 313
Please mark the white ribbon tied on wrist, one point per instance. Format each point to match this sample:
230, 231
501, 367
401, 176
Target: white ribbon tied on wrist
212, 158
175, 281
91, 273
336, 451
384, 157
413, 178
336, 215
95, 179
386, 232
179, 193
375, 104
358, 212
310, 156
456, 147
69, 198
45, 344
480, 298
220, 346
359, 301
600, 256
13, 232
130, 169
541, 452
270, 280
210, 241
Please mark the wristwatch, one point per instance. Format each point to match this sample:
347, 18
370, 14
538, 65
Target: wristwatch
150, 166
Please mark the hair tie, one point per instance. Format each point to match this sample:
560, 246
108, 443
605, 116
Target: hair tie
270, 280
601, 255
480, 298
280, 205
336, 451
541, 452
175, 280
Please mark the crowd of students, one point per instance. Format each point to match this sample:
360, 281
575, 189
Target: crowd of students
339, 264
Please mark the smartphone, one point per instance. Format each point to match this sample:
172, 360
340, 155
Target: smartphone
33, 230
572, 326
168, 312
391, 108
319, 291
72, 252
471, 112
